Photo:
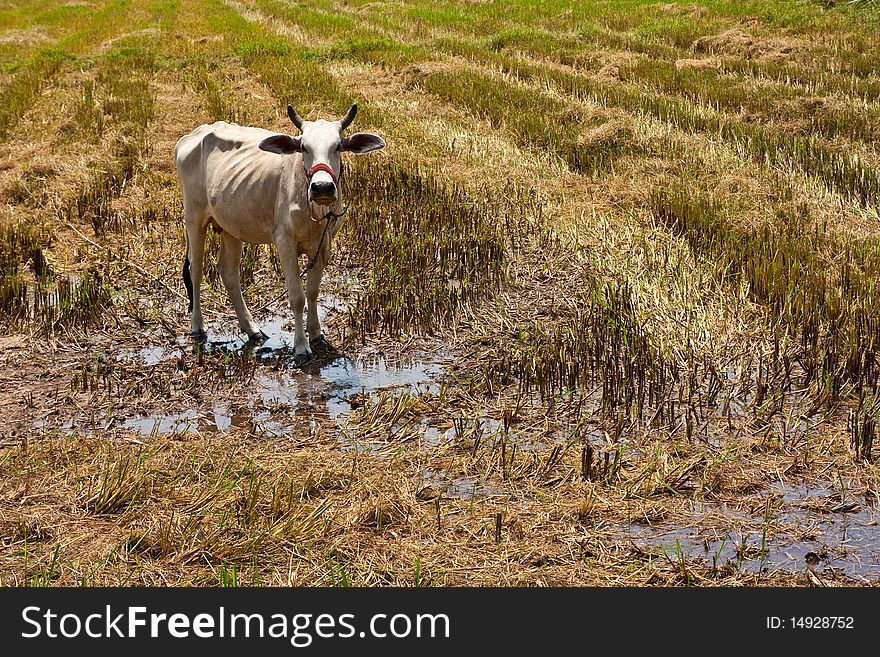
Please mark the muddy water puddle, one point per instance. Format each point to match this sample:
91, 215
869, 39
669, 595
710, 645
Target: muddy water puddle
325, 389
217, 420
440, 482
151, 355
814, 528
324, 392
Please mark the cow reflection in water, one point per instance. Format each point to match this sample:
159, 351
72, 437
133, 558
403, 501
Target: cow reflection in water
327, 389
279, 398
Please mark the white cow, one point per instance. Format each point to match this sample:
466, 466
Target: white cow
263, 187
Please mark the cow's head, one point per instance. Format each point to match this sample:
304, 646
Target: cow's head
321, 145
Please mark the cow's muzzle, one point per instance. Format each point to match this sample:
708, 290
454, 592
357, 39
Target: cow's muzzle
322, 192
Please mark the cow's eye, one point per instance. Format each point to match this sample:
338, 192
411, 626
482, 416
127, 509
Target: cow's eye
304, 149
338, 147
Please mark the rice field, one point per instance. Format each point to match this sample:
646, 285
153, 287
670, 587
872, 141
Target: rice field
605, 312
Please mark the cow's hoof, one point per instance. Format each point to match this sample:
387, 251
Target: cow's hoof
302, 359
198, 336
321, 342
258, 338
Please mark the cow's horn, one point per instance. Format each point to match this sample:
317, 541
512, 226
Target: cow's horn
294, 117
349, 116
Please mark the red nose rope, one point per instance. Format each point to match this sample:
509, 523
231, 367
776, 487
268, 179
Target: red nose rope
330, 216
320, 166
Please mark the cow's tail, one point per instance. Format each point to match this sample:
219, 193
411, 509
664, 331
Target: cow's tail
187, 279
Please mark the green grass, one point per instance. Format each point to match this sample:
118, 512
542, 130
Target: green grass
431, 251
821, 289
18, 96
536, 121
597, 341
837, 169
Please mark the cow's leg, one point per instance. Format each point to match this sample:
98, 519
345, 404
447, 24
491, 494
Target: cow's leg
230, 273
193, 266
313, 322
290, 264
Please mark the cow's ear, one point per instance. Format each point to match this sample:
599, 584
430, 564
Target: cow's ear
281, 144
362, 142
